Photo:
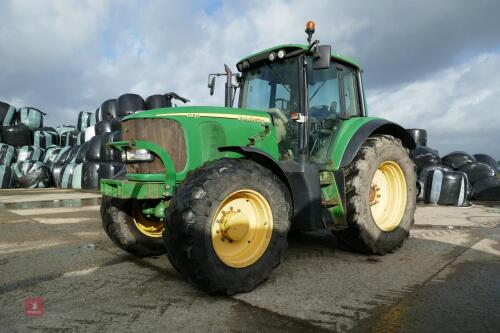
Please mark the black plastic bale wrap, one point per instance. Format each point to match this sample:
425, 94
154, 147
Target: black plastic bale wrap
94, 149
7, 154
457, 159
51, 154
17, 135
69, 138
82, 152
128, 104
98, 115
445, 187
85, 119
109, 154
157, 102
66, 175
487, 189
478, 170
30, 174
64, 155
7, 113
110, 170
488, 159
419, 135
45, 137
30, 153
424, 157
107, 126
55, 171
90, 176
109, 109
31, 117
5, 176
422, 175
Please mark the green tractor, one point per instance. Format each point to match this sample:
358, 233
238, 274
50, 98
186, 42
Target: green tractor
219, 188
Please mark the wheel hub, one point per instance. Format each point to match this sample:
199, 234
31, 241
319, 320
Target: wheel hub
388, 196
242, 227
148, 226
234, 225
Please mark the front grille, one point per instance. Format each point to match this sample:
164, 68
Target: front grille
166, 133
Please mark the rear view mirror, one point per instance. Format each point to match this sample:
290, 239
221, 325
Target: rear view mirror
211, 85
321, 57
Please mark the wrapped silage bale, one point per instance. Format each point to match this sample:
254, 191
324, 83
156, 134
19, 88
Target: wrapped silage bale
30, 174
85, 120
45, 137
31, 117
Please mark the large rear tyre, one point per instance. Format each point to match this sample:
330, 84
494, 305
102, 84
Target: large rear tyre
228, 226
127, 226
381, 196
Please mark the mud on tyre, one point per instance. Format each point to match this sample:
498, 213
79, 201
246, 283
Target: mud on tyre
228, 226
130, 229
381, 196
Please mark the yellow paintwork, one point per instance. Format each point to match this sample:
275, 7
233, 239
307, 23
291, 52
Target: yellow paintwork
388, 196
147, 227
241, 228
240, 117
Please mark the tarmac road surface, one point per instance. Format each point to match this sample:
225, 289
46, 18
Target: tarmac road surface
445, 278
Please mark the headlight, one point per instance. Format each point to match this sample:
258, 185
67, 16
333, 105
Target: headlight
138, 155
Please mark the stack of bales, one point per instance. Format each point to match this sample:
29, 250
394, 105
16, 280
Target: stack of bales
22, 148
67, 156
454, 178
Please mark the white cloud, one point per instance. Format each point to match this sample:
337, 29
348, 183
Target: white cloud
458, 106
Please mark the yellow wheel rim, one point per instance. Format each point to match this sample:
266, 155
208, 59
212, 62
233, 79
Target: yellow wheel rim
388, 196
148, 227
241, 228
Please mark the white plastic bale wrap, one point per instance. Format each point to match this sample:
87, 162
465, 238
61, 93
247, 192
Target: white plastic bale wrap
89, 133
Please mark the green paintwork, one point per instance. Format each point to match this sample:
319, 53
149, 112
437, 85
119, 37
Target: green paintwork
125, 189
335, 56
344, 135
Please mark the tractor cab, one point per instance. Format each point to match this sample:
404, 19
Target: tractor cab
307, 89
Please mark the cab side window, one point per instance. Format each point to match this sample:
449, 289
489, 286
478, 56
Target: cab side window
350, 92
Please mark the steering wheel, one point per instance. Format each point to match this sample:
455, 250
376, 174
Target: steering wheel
284, 103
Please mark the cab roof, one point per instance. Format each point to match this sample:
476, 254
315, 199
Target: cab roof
294, 47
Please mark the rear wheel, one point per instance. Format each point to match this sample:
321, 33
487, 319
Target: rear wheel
127, 226
228, 225
381, 196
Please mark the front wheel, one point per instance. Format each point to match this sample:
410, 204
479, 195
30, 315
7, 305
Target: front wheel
228, 226
381, 196
126, 225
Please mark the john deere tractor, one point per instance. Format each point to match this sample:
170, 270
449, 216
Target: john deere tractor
219, 188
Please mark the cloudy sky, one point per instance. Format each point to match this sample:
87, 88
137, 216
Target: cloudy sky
428, 64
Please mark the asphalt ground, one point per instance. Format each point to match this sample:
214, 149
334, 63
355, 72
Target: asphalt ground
445, 278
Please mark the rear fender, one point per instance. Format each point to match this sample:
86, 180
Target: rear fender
371, 128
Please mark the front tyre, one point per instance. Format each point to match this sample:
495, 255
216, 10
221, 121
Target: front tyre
228, 225
381, 196
127, 226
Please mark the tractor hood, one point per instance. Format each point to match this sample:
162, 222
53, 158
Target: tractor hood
193, 135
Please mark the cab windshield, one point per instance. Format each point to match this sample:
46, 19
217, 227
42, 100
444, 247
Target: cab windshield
273, 85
